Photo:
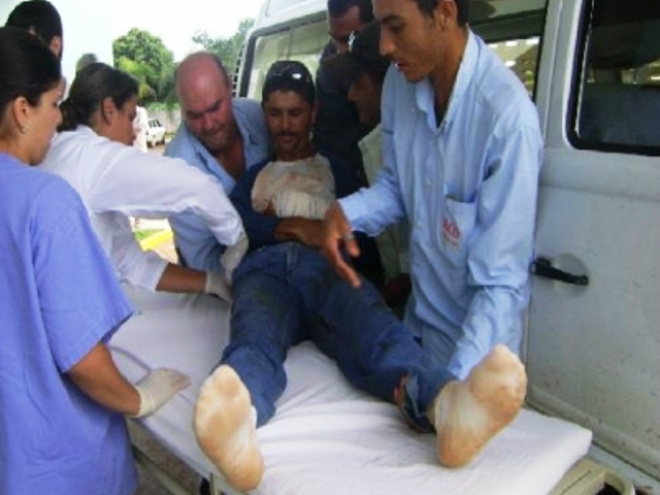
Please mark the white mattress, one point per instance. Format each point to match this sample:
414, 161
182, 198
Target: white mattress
327, 437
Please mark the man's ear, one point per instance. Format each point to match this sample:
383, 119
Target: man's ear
446, 13
55, 46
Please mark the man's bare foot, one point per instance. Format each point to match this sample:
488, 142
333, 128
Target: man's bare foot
225, 428
468, 414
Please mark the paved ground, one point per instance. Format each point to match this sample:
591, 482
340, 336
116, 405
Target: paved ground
148, 483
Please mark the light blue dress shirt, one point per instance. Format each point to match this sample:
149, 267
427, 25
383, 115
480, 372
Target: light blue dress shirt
195, 242
59, 297
468, 188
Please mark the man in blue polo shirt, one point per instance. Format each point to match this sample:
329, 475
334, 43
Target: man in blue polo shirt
219, 135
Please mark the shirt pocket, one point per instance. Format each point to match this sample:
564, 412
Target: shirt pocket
457, 223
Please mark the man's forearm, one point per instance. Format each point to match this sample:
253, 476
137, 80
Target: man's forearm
97, 376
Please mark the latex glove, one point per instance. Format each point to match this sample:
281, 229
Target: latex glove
157, 388
233, 255
216, 285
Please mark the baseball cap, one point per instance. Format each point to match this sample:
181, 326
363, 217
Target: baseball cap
362, 55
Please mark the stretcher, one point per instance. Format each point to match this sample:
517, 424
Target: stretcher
328, 438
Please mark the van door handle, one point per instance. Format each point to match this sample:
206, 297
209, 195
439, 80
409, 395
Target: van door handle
542, 267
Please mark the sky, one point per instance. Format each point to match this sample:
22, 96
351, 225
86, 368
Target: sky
176, 21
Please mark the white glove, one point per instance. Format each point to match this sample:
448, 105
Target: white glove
233, 255
216, 285
157, 388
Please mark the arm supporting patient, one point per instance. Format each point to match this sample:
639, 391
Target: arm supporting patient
177, 278
97, 375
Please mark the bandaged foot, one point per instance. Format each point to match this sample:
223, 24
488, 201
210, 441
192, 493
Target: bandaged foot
224, 425
466, 415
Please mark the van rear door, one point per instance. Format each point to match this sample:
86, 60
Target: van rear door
593, 343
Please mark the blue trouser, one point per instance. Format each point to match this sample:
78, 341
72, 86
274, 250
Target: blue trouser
287, 293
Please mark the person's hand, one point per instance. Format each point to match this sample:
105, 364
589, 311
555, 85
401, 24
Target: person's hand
337, 234
218, 286
157, 388
310, 233
233, 255
303, 230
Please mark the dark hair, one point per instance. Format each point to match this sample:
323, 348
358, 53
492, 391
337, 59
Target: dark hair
85, 60
92, 85
38, 15
337, 8
428, 7
289, 75
28, 67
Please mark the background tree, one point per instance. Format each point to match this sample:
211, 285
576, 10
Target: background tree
146, 58
228, 49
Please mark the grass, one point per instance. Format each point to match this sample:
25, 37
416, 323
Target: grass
152, 238
142, 234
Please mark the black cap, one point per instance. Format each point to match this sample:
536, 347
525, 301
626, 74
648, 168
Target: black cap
362, 55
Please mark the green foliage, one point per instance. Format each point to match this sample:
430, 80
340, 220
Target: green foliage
146, 58
228, 49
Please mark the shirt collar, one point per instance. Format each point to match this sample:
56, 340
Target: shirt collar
242, 122
85, 129
425, 95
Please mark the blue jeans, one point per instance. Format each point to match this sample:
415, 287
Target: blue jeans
287, 293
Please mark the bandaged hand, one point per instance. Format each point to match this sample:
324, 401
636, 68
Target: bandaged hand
233, 255
218, 286
301, 204
157, 388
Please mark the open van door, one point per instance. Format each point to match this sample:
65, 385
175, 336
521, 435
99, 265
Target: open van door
593, 342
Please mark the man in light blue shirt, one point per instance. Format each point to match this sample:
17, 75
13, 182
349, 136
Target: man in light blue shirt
462, 151
221, 136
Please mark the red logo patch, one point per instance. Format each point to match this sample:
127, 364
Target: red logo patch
451, 233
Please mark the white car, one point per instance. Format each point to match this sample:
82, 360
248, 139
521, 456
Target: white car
155, 133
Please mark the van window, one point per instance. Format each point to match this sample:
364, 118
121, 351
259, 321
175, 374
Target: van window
304, 43
617, 89
521, 56
511, 27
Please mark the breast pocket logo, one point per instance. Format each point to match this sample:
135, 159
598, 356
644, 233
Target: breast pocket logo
451, 234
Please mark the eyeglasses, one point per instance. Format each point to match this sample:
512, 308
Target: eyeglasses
289, 69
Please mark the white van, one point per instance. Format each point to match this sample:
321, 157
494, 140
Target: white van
593, 328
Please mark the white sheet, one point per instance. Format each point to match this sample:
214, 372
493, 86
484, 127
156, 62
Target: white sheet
327, 437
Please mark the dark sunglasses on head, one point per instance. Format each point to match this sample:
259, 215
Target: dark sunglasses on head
352, 38
289, 69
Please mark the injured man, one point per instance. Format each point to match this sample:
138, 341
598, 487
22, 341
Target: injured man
285, 292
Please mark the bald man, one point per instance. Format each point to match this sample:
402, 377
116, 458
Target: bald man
219, 135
